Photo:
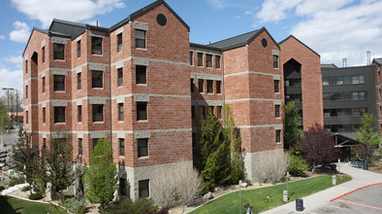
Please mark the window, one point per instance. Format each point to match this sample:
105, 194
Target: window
43, 84
95, 142
142, 147
26, 117
26, 66
325, 81
275, 61
80, 146
211, 108
120, 76
277, 111
140, 38
201, 83
58, 51
59, 82
79, 112
43, 115
97, 79
78, 81
120, 111
59, 114
43, 146
218, 87
141, 111
192, 84
277, 87
141, 74
121, 146
278, 136
96, 45
43, 54
217, 61
191, 57
119, 42
144, 189
219, 109
200, 59
78, 48
97, 112
210, 88
122, 187
26, 92
208, 60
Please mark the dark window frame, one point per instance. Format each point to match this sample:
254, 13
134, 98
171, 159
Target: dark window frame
143, 147
278, 136
120, 112
144, 188
201, 85
141, 74
97, 79
97, 45
121, 143
80, 146
217, 61
59, 114
43, 54
58, 51
59, 82
210, 86
209, 60
119, 42
79, 113
140, 40
277, 111
275, 61
78, 48
200, 59
218, 86
120, 76
191, 58
43, 115
141, 111
277, 86
43, 84
98, 112
79, 81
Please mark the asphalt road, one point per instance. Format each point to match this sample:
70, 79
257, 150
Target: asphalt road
367, 200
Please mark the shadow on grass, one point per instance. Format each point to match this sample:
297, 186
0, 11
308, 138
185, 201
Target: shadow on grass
6, 207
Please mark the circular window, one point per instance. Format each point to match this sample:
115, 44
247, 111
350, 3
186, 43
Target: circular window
161, 19
264, 42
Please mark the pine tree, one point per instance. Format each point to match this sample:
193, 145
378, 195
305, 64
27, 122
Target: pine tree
292, 132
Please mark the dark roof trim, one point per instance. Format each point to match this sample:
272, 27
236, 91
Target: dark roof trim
66, 23
291, 36
132, 16
345, 141
205, 47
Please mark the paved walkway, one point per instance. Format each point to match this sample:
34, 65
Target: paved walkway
361, 179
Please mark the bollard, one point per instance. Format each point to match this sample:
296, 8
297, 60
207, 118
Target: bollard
334, 180
299, 205
285, 195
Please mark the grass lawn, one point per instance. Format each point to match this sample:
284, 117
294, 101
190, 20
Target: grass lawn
266, 198
12, 205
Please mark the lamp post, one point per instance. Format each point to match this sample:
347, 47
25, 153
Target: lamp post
8, 89
240, 182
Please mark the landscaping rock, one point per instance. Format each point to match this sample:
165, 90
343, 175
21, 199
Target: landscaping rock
218, 189
208, 196
245, 185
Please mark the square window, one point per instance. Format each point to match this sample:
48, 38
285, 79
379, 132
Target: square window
201, 84
80, 146
79, 81
277, 111
275, 61
140, 38
58, 51
210, 87
119, 42
120, 111
120, 76
121, 146
200, 59
141, 74
59, 82
218, 87
78, 48
79, 112
97, 79
141, 111
217, 61
144, 189
59, 114
192, 85
209, 60
96, 45
277, 86
191, 57
142, 147
97, 113
278, 136
43, 115
43, 54
43, 84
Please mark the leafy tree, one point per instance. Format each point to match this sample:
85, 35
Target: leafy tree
4, 120
317, 146
100, 178
292, 131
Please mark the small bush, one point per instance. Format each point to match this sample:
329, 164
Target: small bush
26, 188
16, 180
35, 196
249, 182
270, 167
140, 206
298, 165
2, 188
75, 205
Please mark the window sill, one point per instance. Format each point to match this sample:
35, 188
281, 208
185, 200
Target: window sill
60, 92
141, 84
143, 158
60, 123
98, 122
142, 121
142, 49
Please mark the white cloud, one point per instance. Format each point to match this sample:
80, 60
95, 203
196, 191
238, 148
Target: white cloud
237, 17
17, 60
72, 10
20, 33
2, 37
12, 79
276, 10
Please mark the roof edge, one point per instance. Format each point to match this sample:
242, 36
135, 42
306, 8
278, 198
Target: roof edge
262, 29
292, 36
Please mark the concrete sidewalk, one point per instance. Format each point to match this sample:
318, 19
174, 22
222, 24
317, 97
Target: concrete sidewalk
361, 178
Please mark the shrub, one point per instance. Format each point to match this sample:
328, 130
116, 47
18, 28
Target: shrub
140, 206
249, 182
35, 196
270, 167
75, 205
26, 188
2, 188
298, 165
16, 180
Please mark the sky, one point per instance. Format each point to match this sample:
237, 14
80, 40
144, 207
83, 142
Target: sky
335, 29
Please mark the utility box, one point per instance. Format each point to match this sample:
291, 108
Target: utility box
334, 180
285, 195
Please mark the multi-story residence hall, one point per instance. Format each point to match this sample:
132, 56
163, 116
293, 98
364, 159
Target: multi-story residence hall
143, 85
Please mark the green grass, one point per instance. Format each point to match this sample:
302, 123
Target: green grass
266, 198
12, 205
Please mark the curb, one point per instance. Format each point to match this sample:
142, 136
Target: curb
348, 193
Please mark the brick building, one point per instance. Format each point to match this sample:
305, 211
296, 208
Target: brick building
144, 86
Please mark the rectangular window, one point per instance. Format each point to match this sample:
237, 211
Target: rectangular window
58, 51
142, 147
80, 146
43, 54
144, 189
210, 87
59, 114
191, 57
217, 61
277, 111
97, 112
79, 112
96, 45
79, 81
208, 60
201, 84
120, 111
140, 38
141, 74
278, 136
78, 48
43, 115
218, 86
119, 42
141, 111
121, 146
120, 76
97, 79
26, 92
95, 142
43, 146
275, 61
277, 85
219, 109
26, 117
192, 84
26, 66
59, 82
43, 84
200, 59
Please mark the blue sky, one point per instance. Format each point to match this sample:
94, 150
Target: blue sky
335, 29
